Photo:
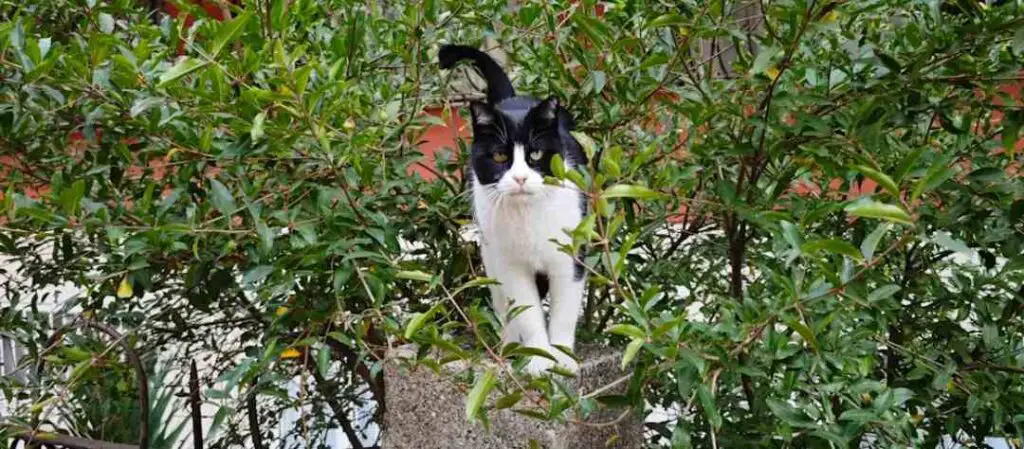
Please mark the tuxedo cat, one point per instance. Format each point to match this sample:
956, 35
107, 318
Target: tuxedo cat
514, 140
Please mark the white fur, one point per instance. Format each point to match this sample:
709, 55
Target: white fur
517, 223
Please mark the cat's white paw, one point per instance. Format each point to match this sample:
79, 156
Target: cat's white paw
538, 366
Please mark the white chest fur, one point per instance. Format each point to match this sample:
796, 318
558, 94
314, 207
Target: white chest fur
521, 228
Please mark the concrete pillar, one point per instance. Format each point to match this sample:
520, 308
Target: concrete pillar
425, 410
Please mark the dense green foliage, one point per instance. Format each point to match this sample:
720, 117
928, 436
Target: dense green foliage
248, 204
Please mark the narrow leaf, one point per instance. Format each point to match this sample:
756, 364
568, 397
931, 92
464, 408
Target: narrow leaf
257, 274
835, 246
707, 403
667, 20
418, 320
509, 400
323, 360
630, 191
631, 351
805, 332
870, 243
256, 131
881, 178
186, 66
222, 198
414, 275
478, 394
124, 289
874, 209
228, 32
883, 292
627, 330
947, 241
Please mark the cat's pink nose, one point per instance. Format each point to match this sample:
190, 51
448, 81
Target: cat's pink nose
519, 180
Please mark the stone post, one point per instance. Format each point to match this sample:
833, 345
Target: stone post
425, 410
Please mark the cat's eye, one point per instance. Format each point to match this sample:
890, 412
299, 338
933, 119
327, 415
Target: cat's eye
500, 157
536, 155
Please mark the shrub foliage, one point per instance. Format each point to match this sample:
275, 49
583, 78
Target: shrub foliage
807, 231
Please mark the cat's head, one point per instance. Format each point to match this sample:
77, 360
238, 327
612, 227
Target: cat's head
515, 141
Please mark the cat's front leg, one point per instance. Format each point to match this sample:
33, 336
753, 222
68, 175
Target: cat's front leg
566, 299
527, 327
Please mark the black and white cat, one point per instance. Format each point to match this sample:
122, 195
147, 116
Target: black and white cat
519, 217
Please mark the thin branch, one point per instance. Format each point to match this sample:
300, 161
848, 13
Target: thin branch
196, 403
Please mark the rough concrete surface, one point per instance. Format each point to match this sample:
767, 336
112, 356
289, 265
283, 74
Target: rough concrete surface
425, 411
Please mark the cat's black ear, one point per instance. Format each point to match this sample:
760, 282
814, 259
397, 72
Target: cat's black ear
483, 114
545, 113
548, 109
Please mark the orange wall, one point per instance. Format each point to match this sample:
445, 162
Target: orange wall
438, 138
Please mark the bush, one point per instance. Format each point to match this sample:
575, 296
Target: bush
808, 214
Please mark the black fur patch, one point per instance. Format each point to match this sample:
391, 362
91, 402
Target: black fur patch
543, 284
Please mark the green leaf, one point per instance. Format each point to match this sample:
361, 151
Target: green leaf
835, 246
787, 412
805, 332
185, 67
143, 104
323, 360
987, 174
558, 166
667, 20
681, 436
279, 15
707, 403
228, 32
1012, 123
1016, 211
478, 282
937, 174
597, 30
106, 23
256, 131
588, 144
71, 196
838, 440
1018, 42
631, 351
881, 178
477, 396
509, 400
218, 421
415, 275
257, 274
222, 198
990, 335
907, 164
870, 243
764, 58
266, 235
419, 319
630, 191
947, 241
532, 351
627, 330
859, 416
656, 59
874, 209
883, 292
792, 234
599, 79
889, 62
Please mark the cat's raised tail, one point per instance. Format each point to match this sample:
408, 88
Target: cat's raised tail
499, 87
